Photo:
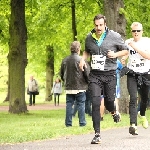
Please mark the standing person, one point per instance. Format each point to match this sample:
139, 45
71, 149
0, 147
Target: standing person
138, 75
87, 105
32, 88
103, 46
75, 84
57, 90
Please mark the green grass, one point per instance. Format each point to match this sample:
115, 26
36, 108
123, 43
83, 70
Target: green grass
49, 124
39, 125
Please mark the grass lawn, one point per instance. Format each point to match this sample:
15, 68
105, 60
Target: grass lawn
45, 124
48, 124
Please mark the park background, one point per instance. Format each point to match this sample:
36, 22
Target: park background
35, 36
38, 33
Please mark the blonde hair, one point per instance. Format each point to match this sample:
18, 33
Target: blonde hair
137, 24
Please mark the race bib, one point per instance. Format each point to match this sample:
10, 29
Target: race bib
98, 62
137, 65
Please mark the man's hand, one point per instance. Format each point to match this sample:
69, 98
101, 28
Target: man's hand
111, 54
132, 44
82, 64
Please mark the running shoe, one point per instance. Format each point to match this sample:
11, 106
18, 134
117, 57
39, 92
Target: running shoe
133, 130
96, 139
144, 122
116, 117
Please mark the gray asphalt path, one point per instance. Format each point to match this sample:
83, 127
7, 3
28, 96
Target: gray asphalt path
113, 139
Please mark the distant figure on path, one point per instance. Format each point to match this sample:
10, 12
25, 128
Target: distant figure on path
57, 90
32, 88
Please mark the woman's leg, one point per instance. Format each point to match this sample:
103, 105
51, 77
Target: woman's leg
55, 99
58, 98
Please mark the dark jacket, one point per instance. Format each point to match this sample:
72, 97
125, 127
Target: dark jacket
74, 78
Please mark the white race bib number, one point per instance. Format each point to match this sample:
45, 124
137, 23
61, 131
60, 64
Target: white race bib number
137, 65
98, 62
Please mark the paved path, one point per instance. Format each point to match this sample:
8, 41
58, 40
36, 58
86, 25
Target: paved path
113, 139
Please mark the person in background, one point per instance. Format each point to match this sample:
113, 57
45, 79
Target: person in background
75, 81
119, 68
74, 109
57, 90
103, 46
138, 75
87, 105
32, 87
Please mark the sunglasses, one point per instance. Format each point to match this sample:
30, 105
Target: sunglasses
136, 30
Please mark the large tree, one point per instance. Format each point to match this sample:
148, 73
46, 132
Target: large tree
17, 57
117, 22
49, 72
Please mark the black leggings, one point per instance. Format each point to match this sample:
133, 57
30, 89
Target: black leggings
32, 98
96, 85
132, 86
56, 95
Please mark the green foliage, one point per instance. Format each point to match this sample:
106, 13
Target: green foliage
50, 23
4, 24
137, 11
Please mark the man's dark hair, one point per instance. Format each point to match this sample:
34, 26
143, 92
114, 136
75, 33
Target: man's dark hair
75, 46
99, 16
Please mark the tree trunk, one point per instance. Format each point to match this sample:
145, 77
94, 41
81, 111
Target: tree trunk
117, 22
17, 57
74, 29
49, 72
7, 96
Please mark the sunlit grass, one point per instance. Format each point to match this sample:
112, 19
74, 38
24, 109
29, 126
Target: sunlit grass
48, 124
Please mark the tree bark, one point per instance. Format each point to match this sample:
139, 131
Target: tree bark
7, 96
49, 72
74, 29
117, 22
17, 57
